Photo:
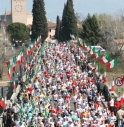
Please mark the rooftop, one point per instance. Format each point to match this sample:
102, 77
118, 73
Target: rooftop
51, 24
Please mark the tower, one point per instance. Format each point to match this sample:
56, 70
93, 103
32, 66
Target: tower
18, 11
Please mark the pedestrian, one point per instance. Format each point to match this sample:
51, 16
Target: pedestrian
119, 116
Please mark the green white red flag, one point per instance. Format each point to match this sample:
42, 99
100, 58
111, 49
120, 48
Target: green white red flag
14, 63
9, 73
105, 58
104, 78
97, 68
79, 40
122, 79
92, 51
14, 85
7, 63
96, 55
22, 55
112, 87
27, 50
112, 63
83, 56
72, 36
85, 47
88, 48
18, 62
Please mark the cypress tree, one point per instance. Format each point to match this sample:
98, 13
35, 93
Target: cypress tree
91, 31
39, 25
69, 22
60, 32
64, 24
57, 28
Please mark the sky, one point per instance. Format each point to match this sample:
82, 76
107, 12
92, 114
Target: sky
55, 7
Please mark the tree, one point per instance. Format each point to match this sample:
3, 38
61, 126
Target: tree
112, 27
63, 24
91, 31
69, 22
79, 17
60, 32
39, 25
57, 36
18, 31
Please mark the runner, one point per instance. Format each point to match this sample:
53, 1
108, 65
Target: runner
62, 94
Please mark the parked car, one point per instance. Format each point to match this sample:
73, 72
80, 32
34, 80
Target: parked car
97, 48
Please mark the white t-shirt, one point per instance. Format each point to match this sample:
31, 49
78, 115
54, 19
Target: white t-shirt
74, 98
111, 102
55, 96
79, 100
113, 118
60, 100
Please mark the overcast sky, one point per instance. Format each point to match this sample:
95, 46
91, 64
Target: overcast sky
55, 7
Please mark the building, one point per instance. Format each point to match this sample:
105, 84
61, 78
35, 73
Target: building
9, 18
19, 13
51, 31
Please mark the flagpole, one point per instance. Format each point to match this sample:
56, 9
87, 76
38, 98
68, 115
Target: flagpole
99, 67
105, 71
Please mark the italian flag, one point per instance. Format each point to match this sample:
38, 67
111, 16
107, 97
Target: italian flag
83, 56
92, 51
14, 85
97, 68
9, 71
28, 51
79, 40
5, 18
14, 63
72, 36
112, 87
112, 63
122, 79
96, 55
22, 55
85, 47
7, 63
104, 77
88, 48
25, 68
11, 61
105, 58
18, 62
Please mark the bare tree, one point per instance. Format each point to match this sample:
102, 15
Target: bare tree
112, 27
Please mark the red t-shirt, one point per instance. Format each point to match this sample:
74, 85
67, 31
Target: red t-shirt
30, 90
117, 104
53, 111
59, 111
122, 101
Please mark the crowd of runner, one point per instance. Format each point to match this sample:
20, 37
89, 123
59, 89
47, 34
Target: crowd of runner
65, 92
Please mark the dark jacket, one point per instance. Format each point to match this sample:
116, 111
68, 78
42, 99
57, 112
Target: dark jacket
101, 85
